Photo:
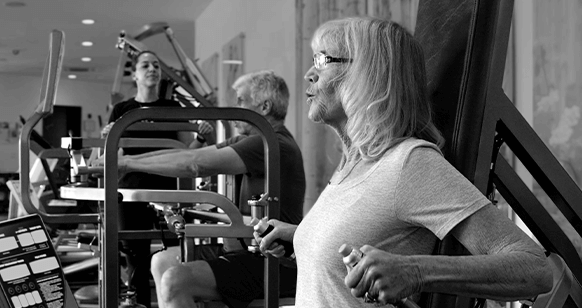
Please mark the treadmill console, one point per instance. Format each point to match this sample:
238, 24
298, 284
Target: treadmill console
30, 272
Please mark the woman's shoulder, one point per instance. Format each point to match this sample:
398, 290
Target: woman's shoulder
408, 151
413, 145
409, 154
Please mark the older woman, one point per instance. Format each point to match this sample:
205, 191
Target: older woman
393, 194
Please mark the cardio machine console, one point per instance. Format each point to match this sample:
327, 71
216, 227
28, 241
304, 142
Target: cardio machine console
30, 272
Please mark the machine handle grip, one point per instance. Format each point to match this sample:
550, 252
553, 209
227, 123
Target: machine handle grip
264, 228
88, 170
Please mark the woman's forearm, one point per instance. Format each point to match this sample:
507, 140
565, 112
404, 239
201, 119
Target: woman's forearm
518, 275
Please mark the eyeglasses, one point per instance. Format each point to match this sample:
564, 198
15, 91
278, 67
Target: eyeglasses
320, 60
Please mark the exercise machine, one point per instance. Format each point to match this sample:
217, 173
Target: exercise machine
30, 271
465, 62
187, 84
112, 195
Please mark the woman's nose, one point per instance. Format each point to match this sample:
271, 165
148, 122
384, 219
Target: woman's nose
311, 75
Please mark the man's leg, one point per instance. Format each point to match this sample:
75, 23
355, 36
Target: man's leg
161, 262
181, 285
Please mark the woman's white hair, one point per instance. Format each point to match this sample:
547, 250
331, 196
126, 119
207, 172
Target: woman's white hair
383, 91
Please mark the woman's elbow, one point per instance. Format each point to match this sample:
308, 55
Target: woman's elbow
542, 276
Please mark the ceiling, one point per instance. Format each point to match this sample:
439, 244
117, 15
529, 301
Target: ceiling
25, 26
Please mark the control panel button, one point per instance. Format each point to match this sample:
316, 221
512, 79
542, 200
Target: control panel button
37, 297
16, 302
23, 300
30, 298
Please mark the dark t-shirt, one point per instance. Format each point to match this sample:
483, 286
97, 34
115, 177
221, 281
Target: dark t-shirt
251, 150
140, 179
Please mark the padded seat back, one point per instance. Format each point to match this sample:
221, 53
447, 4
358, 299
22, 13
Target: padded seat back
465, 59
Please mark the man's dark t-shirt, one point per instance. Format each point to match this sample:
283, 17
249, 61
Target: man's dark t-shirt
251, 150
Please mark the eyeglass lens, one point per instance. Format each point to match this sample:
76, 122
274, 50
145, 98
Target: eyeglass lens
319, 60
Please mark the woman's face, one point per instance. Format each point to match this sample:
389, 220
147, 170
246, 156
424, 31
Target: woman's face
147, 71
322, 93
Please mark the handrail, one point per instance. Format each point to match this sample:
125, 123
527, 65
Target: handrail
74, 143
52, 71
49, 86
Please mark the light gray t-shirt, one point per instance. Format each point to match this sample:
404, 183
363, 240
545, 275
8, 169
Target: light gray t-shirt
401, 204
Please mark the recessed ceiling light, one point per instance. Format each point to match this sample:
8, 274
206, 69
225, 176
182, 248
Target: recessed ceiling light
87, 43
88, 21
86, 59
72, 76
235, 62
15, 4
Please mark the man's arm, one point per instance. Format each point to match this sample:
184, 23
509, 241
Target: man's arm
154, 153
187, 138
204, 135
185, 163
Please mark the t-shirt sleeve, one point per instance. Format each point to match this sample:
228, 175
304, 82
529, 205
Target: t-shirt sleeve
115, 113
251, 151
431, 193
230, 141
